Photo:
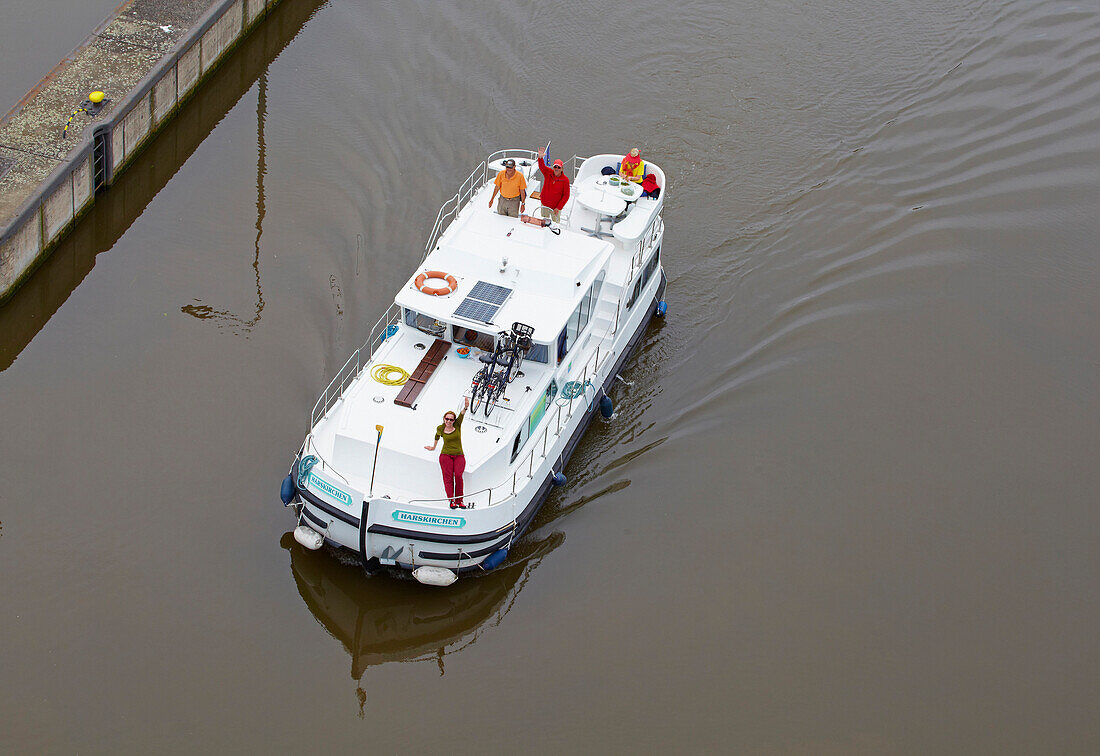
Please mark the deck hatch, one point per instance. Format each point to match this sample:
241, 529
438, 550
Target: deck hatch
483, 302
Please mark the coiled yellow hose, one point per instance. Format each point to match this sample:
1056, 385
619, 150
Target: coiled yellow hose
382, 373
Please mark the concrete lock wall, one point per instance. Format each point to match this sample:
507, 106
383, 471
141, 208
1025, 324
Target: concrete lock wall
50, 212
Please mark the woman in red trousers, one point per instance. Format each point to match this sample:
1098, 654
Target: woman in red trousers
451, 459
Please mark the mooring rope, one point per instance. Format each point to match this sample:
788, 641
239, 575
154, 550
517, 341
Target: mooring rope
382, 373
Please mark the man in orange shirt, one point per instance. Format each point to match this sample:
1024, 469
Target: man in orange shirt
512, 188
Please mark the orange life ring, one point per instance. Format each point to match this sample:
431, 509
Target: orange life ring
452, 284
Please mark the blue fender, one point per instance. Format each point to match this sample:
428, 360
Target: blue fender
286, 492
494, 559
607, 407
662, 308
558, 479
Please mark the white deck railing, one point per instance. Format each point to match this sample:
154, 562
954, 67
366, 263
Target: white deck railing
351, 369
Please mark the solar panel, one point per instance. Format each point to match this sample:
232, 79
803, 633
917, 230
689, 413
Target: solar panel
491, 293
483, 302
482, 312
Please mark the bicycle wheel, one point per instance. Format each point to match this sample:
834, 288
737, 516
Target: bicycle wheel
476, 393
491, 394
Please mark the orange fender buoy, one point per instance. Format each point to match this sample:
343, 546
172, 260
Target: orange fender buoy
452, 284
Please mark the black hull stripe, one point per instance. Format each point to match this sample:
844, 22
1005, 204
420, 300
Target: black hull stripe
454, 557
328, 509
314, 518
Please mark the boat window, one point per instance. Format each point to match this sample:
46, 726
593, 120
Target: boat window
643, 278
577, 321
537, 413
538, 353
521, 439
634, 292
580, 317
470, 337
593, 297
425, 323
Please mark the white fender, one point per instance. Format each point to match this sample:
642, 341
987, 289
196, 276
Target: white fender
308, 537
440, 576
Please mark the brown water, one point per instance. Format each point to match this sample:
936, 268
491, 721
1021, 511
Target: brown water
849, 503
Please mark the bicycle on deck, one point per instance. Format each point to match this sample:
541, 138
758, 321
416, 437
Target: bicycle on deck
501, 367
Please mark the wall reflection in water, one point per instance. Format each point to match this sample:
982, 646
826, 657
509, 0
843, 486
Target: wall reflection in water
35, 302
225, 318
391, 618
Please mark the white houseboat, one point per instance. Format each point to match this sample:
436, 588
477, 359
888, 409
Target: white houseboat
580, 292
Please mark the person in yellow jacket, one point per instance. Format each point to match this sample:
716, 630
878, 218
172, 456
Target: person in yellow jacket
632, 166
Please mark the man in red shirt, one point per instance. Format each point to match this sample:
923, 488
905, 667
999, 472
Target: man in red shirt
555, 188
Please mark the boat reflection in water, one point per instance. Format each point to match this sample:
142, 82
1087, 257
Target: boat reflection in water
391, 619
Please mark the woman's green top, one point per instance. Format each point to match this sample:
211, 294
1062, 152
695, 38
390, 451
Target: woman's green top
452, 442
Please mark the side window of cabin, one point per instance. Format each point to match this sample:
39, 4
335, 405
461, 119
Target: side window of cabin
580, 317
577, 320
537, 413
425, 323
597, 287
651, 267
634, 292
538, 353
643, 278
587, 307
521, 439
470, 337
593, 297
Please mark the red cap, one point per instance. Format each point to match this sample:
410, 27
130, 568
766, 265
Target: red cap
649, 183
558, 164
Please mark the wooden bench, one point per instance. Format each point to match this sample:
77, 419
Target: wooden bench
423, 373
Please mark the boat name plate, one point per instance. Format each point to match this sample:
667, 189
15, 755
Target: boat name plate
420, 518
327, 488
